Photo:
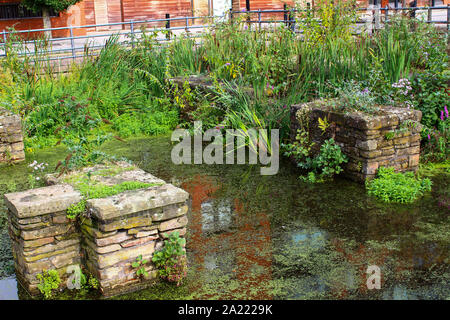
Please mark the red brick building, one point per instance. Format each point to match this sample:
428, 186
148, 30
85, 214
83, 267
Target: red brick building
90, 12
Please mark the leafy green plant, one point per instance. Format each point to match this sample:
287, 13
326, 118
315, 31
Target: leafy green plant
139, 264
389, 186
48, 282
326, 164
300, 149
170, 260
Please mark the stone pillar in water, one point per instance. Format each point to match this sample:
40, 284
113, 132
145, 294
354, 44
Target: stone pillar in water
42, 238
106, 239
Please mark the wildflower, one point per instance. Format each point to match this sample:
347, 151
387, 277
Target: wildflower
442, 115
227, 64
446, 111
429, 138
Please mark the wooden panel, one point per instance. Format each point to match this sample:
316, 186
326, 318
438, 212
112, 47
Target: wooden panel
89, 11
101, 11
114, 11
201, 7
145, 9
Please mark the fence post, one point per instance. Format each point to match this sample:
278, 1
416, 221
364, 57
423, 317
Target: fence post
259, 19
132, 32
168, 26
247, 8
72, 42
386, 16
431, 4
448, 22
187, 25
285, 14
291, 20
4, 42
413, 5
376, 16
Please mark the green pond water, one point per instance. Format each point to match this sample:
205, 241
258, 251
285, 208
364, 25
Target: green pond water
275, 237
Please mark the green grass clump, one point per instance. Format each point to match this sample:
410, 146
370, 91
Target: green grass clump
95, 190
397, 187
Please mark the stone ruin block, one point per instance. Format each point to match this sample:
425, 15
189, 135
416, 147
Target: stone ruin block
42, 237
389, 138
127, 225
108, 238
11, 138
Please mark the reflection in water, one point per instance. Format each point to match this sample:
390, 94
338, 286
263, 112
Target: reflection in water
309, 238
216, 217
224, 237
8, 289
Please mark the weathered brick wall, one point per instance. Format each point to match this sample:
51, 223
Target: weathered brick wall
390, 138
106, 241
11, 138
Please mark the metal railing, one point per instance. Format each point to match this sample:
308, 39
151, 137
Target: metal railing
71, 46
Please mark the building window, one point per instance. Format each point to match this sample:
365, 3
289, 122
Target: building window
17, 11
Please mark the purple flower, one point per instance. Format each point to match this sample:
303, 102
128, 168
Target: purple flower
227, 64
429, 138
442, 115
446, 111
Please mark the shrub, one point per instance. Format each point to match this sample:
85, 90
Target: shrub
48, 281
437, 146
171, 259
324, 165
389, 186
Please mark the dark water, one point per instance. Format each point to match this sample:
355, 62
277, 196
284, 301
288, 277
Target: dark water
275, 237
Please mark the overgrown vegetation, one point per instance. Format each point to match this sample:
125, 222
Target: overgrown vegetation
90, 189
125, 92
49, 281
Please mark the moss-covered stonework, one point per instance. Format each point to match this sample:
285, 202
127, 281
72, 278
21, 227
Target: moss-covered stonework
42, 238
11, 138
389, 138
106, 239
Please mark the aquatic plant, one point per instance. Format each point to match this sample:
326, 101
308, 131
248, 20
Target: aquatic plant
389, 186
